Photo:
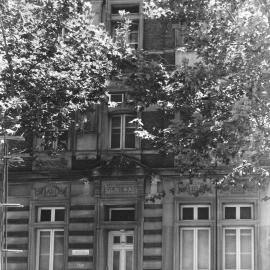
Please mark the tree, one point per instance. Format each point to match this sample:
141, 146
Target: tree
223, 100
54, 62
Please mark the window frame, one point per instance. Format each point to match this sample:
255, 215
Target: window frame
52, 239
52, 208
35, 225
195, 245
132, 16
195, 212
122, 128
121, 208
237, 211
110, 94
238, 245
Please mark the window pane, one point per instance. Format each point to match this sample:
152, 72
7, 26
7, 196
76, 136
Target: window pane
129, 8
44, 250
122, 215
116, 260
116, 121
203, 212
129, 239
116, 239
188, 213
59, 214
245, 261
116, 97
45, 215
245, 212
115, 138
246, 248
58, 262
187, 249
130, 138
230, 212
230, 249
129, 254
203, 249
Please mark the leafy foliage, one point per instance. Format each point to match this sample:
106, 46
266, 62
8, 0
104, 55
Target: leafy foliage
222, 100
54, 62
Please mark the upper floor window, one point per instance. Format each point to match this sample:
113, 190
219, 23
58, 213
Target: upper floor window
120, 213
51, 214
117, 97
194, 212
133, 10
238, 212
122, 132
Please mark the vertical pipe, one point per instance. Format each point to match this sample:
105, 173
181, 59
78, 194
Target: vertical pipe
216, 225
5, 200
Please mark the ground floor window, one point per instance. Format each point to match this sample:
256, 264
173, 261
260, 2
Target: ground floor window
121, 250
50, 249
195, 248
238, 249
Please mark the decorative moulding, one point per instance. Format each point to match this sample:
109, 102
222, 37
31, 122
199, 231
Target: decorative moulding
51, 191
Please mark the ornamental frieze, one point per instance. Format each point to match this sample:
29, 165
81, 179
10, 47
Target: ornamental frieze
194, 187
51, 191
119, 188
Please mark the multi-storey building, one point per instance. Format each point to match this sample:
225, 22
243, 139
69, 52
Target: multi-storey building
111, 202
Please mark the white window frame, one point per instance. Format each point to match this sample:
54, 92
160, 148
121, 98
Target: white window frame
132, 16
52, 213
122, 131
116, 93
122, 247
117, 209
238, 206
195, 245
238, 259
195, 211
51, 254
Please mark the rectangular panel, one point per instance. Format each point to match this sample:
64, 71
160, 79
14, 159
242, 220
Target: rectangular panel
129, 260
44, 250
187, 250
230, 249
203, 249
116, 260
246, 248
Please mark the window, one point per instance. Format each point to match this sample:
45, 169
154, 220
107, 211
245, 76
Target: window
51, 214
194, 212
238, 212
50, 238
116, 97
122, 214
119, 213
122, 132
238, 250
133, 11
55, 140
50, 249
120, 250
195, 249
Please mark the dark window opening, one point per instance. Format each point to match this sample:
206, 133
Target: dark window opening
45, 215
230, 212
203, 213
59, 215
245, 212
188, 213
127, 8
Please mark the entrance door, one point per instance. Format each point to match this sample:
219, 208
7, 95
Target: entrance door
120, 250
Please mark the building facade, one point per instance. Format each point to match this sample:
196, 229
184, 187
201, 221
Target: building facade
112, 202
